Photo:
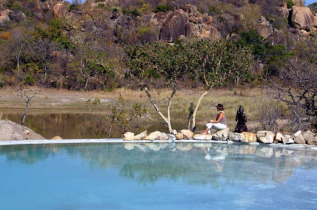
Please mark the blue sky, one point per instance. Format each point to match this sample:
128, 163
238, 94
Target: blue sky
310, 1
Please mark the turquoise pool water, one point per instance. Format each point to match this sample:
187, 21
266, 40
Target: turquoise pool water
157, 176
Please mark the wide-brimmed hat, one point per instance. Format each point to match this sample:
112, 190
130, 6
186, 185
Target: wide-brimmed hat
220, 107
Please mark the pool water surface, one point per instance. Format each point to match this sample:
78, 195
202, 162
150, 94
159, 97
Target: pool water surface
157, 176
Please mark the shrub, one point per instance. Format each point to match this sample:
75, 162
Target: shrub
74, 7
29, 80
5, 35
214, 11
290, 4
163, 8
134, 12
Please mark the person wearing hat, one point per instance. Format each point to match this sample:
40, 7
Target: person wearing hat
220, 122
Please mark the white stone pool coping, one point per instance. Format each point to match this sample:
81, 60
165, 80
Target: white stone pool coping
116, 141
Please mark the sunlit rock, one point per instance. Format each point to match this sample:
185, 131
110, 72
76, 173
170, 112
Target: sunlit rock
179, 136
128, 136
309, 137
56, 138
223, 134
248, 137
140, 136
266, 137
187, 134
157, 135
299, 139
279, 136
202, 137
287, 139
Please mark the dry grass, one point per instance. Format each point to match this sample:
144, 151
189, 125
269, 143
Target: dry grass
250, 99
76, 102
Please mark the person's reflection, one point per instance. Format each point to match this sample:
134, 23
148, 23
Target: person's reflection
217, 159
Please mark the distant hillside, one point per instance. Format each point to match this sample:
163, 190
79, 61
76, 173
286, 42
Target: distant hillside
80, 46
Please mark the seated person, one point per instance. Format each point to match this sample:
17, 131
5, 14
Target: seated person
220, 123
241, 119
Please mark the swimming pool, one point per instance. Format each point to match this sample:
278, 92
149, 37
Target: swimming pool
157, 176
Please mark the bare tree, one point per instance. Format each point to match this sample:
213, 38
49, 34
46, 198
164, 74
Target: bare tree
27, 97
298, 86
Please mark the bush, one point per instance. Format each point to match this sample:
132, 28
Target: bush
133, 12
29, 80
290, 4
74, 7
163, 8
214, 11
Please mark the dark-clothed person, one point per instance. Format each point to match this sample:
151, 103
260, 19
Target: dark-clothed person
241, 119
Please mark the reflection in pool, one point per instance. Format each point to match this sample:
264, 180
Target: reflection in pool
157, 176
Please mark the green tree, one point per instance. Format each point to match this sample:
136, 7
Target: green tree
217, 62
158, 60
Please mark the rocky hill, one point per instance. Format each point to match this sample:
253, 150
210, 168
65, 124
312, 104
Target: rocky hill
51, 35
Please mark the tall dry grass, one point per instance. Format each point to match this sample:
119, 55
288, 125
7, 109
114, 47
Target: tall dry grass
250, 98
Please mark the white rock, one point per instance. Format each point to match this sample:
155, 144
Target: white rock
266, 137
297, 133
140, 136
179, 136
279, 136
202, 137
128, 136
153, 136
187, 134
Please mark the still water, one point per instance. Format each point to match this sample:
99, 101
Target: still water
157, 176
78, 125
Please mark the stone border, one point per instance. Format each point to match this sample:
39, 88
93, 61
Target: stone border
114, 141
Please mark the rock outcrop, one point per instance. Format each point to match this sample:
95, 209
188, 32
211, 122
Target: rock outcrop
4, 16
264, 28
184, 21
13, 131
303, 18
60, 10
202, 137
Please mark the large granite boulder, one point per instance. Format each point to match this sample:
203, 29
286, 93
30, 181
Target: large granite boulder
60, 10
174, 26
13, 131
185, 21
299, 138
266, 137
249, 137
303, 18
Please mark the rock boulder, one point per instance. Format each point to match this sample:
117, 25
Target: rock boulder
179, 136
187, 134
128, 136
13, 131
140, 136
266, 137
302, 18
202, 137
60, 10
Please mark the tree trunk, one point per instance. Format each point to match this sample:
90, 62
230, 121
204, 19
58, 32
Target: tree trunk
25, 112
196, 108
168, 119
45, 73
86, 83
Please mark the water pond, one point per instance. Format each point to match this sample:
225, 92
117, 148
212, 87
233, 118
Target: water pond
157, 176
